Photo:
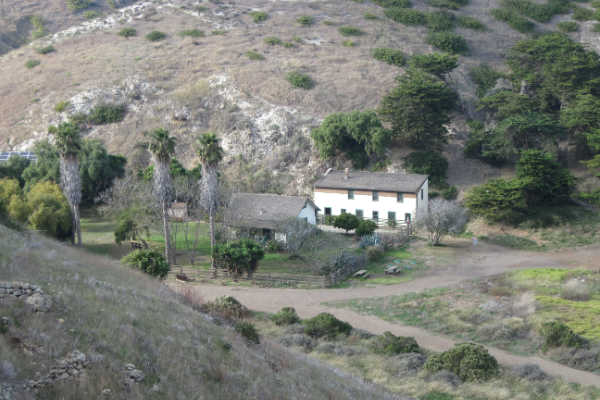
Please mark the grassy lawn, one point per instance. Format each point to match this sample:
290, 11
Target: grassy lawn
505, 311
98, 237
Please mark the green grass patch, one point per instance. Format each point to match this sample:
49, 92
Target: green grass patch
305, 20
127, 32
448, 41
91, 14
583, 14
406, 16
38, 29
273, 41
195, 33
218, 32
300, 80
350, 31
156, 36
568, 26
349, 43
255, 56
513, 19
448, 4
470, 23
45, 50
512, 241
485, 77
390, 56
393, 3
62, 106
370, 16
32, 63
259, 16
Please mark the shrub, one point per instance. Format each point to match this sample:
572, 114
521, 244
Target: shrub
62, 106
370, 16
239, 256
350, 31
156, 36
228, 307
576, 290
45, 50
91, 14
349, 43
393, 3
374, 253
470, 361
127, 32
126, 230
439, 21
149, 261
248, 331
38, 30
470, 23
259, 16
443, 217
48, 210
391, 345
568, 26
272, 40
195, 33
32, 63
286, 316
346, 222
218, 32
449, 4
435, 395
557, 334
76, 5
300, 80
406, 16
513, 19
437, 64
498, 200
583, 14
365, 227
106, 114
485, 77
429, 163
305, 20
273, 246
448, 41
596, 27
450, 193
390, 56
326, 325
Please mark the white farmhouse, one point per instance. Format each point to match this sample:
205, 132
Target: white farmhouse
386, 198
268, 215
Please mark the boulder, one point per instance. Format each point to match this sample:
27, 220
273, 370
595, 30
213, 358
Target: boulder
39, 302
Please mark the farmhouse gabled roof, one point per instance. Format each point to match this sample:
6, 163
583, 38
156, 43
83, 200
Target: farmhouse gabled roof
263, 210
364, 180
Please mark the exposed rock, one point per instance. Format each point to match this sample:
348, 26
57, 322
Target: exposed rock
39, 302
70, 367
32, 294
132, 374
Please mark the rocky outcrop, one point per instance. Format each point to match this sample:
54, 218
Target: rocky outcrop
70, 367
31, 294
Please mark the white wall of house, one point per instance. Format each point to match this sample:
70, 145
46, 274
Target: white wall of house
309, 213
338, 201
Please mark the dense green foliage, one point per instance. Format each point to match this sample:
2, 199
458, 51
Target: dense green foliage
498, 200
149, 261
248, 331
390, 345
106, 114
470, 361
77, 5
194, 33
156, 36
365, 227
305, 20
513, 19
406, 16
300, 80
286, 316
557, 334
418, 108
390, 56
485, 77
568, 26
359, 136
428, 163
437, 64
346, 221
350, 31
470, 23
536, 11
32, 63
448, 41
239, 256
393, 3
259, 16
128, 32
254, 55
439, 21
326, 325
45, 50
13, 169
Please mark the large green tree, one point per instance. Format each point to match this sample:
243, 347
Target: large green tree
418, 109
13, 168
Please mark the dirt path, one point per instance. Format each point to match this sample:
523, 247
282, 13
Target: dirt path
463, 262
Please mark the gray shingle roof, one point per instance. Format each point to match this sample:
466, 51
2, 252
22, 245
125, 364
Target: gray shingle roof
263, 210
364, 180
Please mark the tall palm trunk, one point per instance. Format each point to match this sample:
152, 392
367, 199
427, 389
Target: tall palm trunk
163, 186
71, 185
211, 218
77, 223
166, 232
209, 188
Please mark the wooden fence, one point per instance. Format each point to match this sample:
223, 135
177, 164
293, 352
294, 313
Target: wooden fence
260, 278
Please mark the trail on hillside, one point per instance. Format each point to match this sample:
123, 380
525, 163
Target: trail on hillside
471, 262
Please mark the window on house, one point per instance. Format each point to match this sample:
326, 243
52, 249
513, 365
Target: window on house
421, 194
375, 196
391, 216
375, 216
400, 197
350, 194
359, 213
407, 217
343, 211
327, 210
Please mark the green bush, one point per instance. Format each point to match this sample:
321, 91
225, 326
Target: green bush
107, 114
273, 41
305, 20
535, 11
583, 14
239, 256
126, 229
349, 43
228, 307
218, 32
91, 14
326, 325
557, 334
513, 19
439, 21
149, 261
406, 16
374, 253
448, 41
470, 23
390, 56
470, 361
127, 32
365, 227
156, 36
45, 50
437, 64
596, 27
286, 316
568, 26
390, 345
253, 55
38, 30
449, 4
545, 181
248, 331
370, 16
346, 222
429, 163
76, 5
498, 200
393, 3
300, 80
350, 31
259, 16
435, 395
32, 63
485, 77
450, 193
195, 33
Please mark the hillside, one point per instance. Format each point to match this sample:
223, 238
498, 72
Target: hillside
208, 82
102, 317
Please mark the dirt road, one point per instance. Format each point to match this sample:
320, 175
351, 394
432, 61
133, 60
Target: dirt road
463, 262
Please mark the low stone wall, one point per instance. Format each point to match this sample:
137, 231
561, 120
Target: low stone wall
32, 294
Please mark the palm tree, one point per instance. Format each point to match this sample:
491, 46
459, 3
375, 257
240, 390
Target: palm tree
68, 142
210, 153
162, 148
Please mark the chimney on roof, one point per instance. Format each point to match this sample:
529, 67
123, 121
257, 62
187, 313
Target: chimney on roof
347, 173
